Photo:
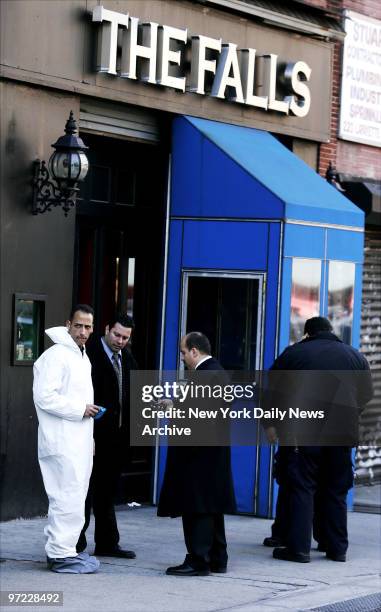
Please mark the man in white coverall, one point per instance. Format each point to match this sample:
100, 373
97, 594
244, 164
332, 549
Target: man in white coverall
63, 396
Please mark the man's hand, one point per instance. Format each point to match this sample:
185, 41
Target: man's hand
91, 410
165, 403
271, 435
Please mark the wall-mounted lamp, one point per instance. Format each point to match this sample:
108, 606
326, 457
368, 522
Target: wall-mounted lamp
68, 165
332, 177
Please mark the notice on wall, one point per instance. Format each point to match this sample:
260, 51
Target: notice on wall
360, 112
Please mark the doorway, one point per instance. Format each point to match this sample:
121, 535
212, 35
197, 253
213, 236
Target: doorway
119, 250
227, 308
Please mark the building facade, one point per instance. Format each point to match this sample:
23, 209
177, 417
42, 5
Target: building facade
207, 124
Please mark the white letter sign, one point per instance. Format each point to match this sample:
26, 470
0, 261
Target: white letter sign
166, 56
160, 54
200, 64
108, 37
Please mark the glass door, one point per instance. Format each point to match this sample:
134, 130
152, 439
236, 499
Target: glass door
118, 260
227, 307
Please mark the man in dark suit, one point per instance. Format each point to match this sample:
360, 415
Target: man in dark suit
319, 372
111, 363
198, 483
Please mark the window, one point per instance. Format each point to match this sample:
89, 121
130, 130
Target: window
341, 282
28, 328
227, 308
305, 294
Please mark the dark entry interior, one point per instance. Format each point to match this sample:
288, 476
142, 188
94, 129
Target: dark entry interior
118, 259
226, 310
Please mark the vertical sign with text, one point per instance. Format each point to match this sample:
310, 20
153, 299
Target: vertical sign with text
360, 111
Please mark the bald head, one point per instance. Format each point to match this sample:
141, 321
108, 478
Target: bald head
193, 348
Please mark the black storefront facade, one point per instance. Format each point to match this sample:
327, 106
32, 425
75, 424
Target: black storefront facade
114, 249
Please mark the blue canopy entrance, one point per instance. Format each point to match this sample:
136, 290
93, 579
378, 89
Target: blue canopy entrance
243, 205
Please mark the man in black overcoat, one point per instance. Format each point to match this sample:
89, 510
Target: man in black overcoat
111, 362
320, 372
198, 483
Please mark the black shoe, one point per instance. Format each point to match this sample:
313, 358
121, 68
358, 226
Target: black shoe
218, 569
116, 551
334, 557
186, 570
273, 542
287, 555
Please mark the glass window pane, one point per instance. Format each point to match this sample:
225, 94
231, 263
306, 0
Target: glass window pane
305, 294
125, 187
100, 183
226, 311
238, 311
131, 286
202, 308
341, 283
28, 329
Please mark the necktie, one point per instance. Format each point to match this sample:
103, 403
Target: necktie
118, 371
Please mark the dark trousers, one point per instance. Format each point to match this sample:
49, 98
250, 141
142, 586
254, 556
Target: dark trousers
100, 498
327, 470
280, 525
279, 528
205, 540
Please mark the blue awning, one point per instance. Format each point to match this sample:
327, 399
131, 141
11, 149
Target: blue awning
305, 196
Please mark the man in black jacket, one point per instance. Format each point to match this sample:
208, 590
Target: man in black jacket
316, 455
111, 363
198, 483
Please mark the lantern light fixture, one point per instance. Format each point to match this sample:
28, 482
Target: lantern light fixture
332, 177
57, 185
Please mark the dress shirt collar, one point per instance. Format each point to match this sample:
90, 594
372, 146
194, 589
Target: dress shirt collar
109, 352
202, 360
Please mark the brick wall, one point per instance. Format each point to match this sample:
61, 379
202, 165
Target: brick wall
335, 6
327, 151
322, 4
372, 8
358, 159
349, 158
366, 7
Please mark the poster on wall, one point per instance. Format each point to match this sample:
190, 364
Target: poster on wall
360, 109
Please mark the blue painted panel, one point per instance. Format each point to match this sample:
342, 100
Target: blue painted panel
285, 305
356, 329
243, 469
323, 214
271, 304
171, 339
229, 191
208, 183
306, 195
186, 170
161, 468
231, 245
264, 481
303, 241
275, 497
345, 245
171, 320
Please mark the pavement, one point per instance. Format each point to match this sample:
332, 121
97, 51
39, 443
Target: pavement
367, 498
255, 581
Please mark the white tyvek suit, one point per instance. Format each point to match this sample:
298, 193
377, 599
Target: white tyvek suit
61, 389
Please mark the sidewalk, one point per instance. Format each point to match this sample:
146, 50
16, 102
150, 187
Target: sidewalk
255, 582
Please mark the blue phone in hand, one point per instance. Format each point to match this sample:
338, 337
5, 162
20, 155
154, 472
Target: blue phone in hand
100, 413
